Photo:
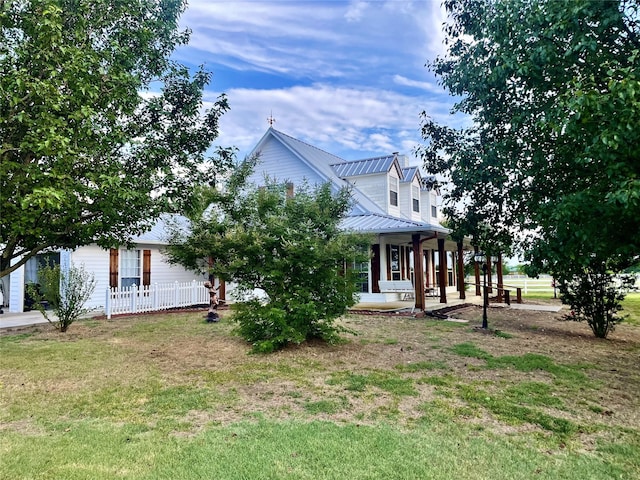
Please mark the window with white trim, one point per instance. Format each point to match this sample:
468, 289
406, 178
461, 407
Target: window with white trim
393, 191
415, 197
130, 268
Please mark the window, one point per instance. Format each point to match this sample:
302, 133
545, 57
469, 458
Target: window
393, 191
394, 262
434, 211
415, 195
393, 198
129, 268
362, 271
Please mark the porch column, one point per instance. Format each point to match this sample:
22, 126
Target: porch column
375, 268
500, 279
442, 258
489, 268
476, 271
418, 274
427, 268
461, 272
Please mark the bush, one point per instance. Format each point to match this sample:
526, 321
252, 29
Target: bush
596, 297
65, 292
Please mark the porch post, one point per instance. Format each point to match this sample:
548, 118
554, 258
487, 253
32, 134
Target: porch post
375, 268
418, 275
442, 258
500, 279
476, 271
427, 268
461, 272
489, 268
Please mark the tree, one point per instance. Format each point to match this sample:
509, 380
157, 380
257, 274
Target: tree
290, 248
553, 90
100, 131
66, 292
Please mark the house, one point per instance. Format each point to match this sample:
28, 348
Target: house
143, 264
393, 201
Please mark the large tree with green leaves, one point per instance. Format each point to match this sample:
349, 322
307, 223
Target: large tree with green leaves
100, 131
552, 90
291, 248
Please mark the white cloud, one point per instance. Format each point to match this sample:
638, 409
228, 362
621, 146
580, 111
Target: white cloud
427, 86
348, 77
345, 121
355, 11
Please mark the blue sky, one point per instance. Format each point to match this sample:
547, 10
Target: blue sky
346, 76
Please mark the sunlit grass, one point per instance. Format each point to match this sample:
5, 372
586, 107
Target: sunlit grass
119, 403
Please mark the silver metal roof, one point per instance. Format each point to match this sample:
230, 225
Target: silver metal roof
410, 172
368, 166
376, 223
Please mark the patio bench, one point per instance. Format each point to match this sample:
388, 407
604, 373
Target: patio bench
397, 286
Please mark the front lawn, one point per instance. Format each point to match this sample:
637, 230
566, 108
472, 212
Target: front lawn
170, 396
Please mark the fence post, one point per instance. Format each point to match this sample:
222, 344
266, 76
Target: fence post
156, 302
107, 304
133, 290
194, 293
176, 295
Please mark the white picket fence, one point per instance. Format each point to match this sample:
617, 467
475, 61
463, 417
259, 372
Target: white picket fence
151, 298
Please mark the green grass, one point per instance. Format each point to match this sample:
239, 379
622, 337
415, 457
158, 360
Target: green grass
295, 450
631, 307
126, 401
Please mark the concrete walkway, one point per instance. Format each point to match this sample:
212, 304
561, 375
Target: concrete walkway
23, 319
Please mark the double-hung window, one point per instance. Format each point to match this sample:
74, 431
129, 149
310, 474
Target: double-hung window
415, 197
129, 268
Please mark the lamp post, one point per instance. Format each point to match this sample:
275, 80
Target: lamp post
481, 258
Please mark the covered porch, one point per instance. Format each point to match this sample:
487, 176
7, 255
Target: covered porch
422, 268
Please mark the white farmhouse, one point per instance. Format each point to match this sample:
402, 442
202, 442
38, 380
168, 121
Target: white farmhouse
392, 201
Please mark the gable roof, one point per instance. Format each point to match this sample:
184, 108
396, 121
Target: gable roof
366, 216
409, 173
320, 162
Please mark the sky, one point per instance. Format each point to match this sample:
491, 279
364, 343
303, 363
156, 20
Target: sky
346, 76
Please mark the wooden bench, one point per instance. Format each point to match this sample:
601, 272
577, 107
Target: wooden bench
397, 286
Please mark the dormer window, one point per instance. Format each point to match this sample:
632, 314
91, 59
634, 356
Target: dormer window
393, 191
415, 199
393, 198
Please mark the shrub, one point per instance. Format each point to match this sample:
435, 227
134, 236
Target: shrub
66, 293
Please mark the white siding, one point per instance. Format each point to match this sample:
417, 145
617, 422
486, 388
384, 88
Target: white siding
163, 272
406, 200
96, 260
428, 199
278, 162
374, 187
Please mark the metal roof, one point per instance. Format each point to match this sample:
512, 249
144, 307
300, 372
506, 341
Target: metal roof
376, 223
366, 216
368, 166
408, 174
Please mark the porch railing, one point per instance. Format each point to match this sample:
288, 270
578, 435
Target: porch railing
151, 298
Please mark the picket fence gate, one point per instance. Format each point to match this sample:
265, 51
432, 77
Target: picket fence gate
159, 296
